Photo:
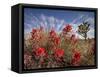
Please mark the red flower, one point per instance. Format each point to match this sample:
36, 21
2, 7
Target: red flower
52, 33
40, 52
57, 40
67, 28
33, 33
36, 34
76, 57
59, 53
33, 30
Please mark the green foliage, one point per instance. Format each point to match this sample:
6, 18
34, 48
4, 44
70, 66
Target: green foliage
83, 29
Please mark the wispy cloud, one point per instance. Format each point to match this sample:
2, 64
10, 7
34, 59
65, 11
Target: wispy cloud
77, 19
48, 22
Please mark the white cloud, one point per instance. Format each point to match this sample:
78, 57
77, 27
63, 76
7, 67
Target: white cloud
77, 19
90, 34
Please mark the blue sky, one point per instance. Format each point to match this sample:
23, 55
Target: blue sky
57, 19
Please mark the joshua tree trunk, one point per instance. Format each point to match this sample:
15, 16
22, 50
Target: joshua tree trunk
85, 36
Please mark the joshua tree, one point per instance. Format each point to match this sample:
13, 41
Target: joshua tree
83, 29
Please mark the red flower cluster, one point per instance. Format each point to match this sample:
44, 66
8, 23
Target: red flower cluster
40, 52
54, 38
57, 40
36, 34
52, 33
47, 48
76, 57
59, 53
67, 28
33, 32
